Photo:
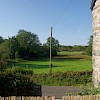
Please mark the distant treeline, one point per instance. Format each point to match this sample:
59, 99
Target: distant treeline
87, 50
73, 48
26, 45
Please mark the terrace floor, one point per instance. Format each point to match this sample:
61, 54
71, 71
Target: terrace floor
58, 91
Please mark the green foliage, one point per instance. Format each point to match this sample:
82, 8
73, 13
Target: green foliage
90, 40
64, 79
4, 50
20, 70
13, 47
16, 80
17, 57
2, 65
89, 90
54, 45
25, 45
75, 48
89, 48
29, 44
8, 48
1, 40
27, 39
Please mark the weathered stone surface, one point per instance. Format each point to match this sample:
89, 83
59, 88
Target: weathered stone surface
96, 43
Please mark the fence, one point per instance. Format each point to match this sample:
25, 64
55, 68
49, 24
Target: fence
92, 97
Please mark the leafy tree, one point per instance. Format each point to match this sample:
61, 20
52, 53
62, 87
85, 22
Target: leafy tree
27, 39
29, 44
89, 48
8, 48
90, 40
4, 50
55, 45
13, 46
26, 45
1, 40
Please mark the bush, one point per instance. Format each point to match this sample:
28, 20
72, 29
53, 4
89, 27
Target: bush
88, 90
2, 65
20, 70
18, 81
64, 79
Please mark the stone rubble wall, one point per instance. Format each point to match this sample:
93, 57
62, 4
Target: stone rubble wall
96, 43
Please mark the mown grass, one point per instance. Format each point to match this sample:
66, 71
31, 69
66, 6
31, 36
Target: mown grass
69, 69
64, 62
70, 53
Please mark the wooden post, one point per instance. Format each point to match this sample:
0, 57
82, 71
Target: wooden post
51, 51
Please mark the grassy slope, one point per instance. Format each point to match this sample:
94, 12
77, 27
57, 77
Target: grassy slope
65, 61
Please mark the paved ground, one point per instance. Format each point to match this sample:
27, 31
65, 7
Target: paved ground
58, 91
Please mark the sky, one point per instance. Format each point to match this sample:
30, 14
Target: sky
71, 19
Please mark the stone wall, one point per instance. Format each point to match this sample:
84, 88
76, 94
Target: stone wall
96, 43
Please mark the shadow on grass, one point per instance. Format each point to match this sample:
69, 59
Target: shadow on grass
33, 66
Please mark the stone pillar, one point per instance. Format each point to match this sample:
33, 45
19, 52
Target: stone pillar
96, 43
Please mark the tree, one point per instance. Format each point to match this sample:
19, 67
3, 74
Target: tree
27, 39
55, 43
8, 48
90, 40
1, 40
4, 50
29, 44
89, 48
26, 45
13, 47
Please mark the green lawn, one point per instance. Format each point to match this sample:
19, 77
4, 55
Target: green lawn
59, 64
69, 53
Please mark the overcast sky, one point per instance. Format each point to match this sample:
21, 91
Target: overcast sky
71, 19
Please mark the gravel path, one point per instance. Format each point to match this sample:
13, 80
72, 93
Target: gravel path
58, 91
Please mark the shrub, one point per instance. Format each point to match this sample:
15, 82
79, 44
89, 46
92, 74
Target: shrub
17, 81
20, 70
66, 79
2, 65
89, 90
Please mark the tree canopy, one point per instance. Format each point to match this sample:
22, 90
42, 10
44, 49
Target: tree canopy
55, 42
26, 45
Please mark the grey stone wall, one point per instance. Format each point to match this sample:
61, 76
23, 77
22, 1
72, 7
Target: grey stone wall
96, 43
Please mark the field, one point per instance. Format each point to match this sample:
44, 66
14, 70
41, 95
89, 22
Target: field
64, 62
